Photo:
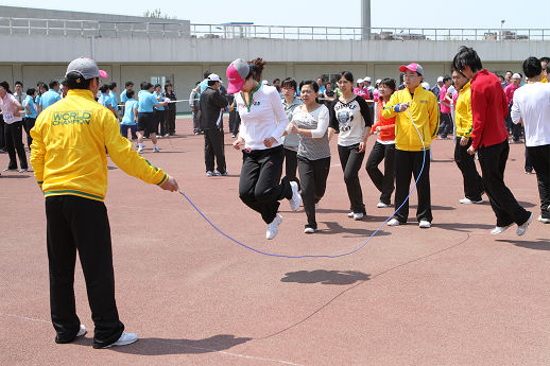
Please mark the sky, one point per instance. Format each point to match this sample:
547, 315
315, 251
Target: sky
340, 13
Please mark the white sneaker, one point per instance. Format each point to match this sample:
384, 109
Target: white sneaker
309, 230
394, 222
522, 229
273, 227
358, 216
156, 149
424, 224
383, 205
467, 201
544, 220
350, 214
140, 150
296, 199
82, 331
500, 229
124, 340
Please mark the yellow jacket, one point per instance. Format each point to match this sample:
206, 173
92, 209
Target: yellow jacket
463, 112
68, 149
425, 113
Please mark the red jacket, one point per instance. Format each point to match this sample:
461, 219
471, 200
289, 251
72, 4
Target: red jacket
489, 110
387, 126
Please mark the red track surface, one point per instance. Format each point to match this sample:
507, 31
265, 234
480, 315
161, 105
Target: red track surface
450, 295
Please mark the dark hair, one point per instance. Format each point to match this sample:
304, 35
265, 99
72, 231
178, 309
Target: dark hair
53, 84
311, 83
256, 69
206, 73
390, 83
289, 83
5, 85
64, 82
157, 86
112, 85
167, 85
130, 94
532, 67
446, 78
44, 86
197, 83
146, 86
347, 75
467, 56
276, 79
104, 88
129, 83
509, 71
76, 81
211, 82
18, 83
31, 91
545, 59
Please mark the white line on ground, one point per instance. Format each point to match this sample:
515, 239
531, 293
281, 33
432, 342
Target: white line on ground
26, 318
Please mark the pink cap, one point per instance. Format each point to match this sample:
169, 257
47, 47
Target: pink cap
414, 67
236, 73
103, 74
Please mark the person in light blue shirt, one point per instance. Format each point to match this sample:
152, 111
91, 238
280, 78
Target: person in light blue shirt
50, 97
124, 96
160, 113
129, 121
147, 125
30, 107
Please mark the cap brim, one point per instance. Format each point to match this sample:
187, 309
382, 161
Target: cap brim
235, 87
402, 68
103, 74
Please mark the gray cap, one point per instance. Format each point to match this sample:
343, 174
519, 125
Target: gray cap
86, 67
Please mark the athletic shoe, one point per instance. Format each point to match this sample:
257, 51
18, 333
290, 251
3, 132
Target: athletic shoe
500, 229
350, 214
159, 136
309, 230
140, 150
209, 174
156, 149
166, 135
82, 331
23, 170
10, 170
233, 136
522, 229
273, 227
424, 224
467, 201
383, 205
544, 220
124, 340
358, 216
394, 222
224, 174
296, 199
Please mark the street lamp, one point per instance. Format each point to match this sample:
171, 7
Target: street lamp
501, 30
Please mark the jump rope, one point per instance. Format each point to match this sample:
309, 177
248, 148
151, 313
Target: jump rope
320, 255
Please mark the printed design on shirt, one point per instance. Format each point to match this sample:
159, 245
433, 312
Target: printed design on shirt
344, 114
71, 117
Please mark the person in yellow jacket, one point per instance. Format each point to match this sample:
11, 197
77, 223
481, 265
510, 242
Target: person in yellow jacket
545, 64
70, 140
409, 146
473, 188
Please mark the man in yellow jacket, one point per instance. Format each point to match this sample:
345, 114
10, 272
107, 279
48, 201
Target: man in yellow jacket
473, 188
70, 165
411, 150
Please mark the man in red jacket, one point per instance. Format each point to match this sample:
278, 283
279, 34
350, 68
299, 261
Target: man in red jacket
490, 140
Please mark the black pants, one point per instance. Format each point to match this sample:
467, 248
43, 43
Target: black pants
291, 164
528, 163
162, 122
75, 223
259, 186
473, 187
2, 134
13, 134
540, 158
446, 126
234, 121
313, 174
29, 124
407, 164
493, 162
351, 161
171, 119
383, 182
214, 147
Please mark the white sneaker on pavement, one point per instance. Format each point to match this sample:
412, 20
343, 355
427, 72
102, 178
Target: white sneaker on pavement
296, 199
273, 227
522, 229
82, 331
500, 229
383, 205
350, 214
394, 222
140, 150
424, 224
358, 216
309, 230
124, 340
156, 149
544, 220
467, 201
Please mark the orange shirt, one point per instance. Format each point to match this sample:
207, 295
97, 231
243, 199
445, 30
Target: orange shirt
387, 126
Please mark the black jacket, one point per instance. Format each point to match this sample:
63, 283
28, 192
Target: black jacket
211, 104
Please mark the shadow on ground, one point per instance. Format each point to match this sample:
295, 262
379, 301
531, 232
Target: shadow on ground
463, 227
326, 277
539, 244
336, 228
167, 346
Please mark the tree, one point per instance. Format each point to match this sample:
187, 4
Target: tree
157, 14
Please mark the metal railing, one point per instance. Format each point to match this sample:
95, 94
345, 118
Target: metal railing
160, 28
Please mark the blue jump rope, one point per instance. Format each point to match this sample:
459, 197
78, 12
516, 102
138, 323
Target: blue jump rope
319, 255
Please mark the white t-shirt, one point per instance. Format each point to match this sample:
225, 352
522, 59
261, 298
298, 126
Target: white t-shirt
9, 109
265, 117
532, 106
350, 119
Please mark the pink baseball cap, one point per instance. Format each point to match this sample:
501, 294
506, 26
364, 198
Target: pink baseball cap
414, 67
236, 73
